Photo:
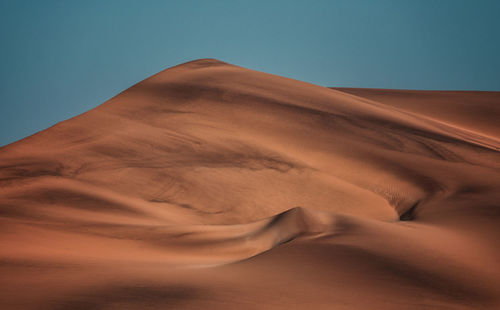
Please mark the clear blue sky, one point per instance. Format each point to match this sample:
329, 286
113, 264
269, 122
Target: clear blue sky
61, 58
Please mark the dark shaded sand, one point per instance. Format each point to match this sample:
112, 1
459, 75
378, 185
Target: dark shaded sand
211, 186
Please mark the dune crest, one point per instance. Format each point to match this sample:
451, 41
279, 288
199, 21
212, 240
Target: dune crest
209, 185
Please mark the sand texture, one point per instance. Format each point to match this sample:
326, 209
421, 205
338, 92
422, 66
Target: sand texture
211, 186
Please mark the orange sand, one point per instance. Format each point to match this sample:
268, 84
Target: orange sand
211, 186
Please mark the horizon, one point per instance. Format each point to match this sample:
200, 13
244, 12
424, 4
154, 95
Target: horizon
61, 59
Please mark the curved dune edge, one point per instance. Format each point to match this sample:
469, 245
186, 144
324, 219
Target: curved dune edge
213, 186
186, 246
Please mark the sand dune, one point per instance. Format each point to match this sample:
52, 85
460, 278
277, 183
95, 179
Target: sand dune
211, 186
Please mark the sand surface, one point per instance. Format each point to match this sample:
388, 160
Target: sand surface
211, 186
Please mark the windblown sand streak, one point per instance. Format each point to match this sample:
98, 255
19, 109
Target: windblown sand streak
212, 186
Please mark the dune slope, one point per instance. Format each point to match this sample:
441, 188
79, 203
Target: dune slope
213, 186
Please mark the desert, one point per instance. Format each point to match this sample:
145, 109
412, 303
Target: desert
213, 186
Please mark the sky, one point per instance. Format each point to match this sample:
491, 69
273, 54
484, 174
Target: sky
61, 58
